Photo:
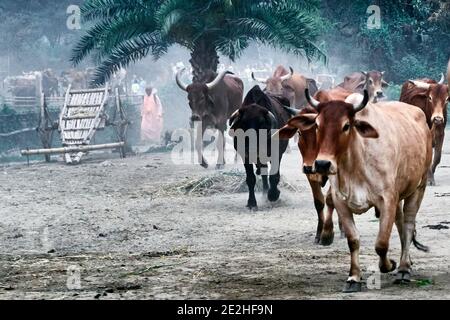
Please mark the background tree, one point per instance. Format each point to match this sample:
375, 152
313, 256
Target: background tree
34, 34
411, 43
125, 31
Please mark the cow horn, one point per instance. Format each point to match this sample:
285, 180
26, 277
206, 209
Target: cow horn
215, 82
288, 76
420, 84
442, 79
233, 118
292, 111
358, 107
260, 80
312, 102
273, 120
180, 83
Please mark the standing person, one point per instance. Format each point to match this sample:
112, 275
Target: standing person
142, 86
135, 85
152, 117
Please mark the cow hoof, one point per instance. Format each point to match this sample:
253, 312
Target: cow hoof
403, 277
220, 166
204, 165
327, 240
251, 204
352, 286
273, 195
383, 269
431, 183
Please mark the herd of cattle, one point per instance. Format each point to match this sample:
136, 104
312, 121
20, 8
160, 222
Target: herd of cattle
374, 153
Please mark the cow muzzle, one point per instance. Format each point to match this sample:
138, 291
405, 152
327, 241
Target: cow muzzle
324, 167
308, 170
379, 95
438, 120
195, 118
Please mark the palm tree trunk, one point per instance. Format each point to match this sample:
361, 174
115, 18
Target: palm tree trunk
204, 59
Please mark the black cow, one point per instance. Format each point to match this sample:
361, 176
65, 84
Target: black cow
259, 115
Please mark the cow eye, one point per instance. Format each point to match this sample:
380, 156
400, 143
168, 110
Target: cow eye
430, 98
346, 127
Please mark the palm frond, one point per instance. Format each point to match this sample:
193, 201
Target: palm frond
128, 30
131, 51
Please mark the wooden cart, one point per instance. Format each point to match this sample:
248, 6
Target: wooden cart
83, 114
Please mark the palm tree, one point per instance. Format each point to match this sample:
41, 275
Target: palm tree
125, 31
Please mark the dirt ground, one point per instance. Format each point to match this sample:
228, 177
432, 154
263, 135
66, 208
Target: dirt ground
143, 227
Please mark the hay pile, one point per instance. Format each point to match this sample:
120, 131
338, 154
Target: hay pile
221, 182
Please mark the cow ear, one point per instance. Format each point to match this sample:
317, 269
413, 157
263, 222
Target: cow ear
361, 85
285, 133
365, 129
322, 96
303, 122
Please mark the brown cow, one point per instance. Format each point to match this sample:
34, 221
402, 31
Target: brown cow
308, 148
289, 85
307, 144
432, 97
212, 102
371, 81
349, 138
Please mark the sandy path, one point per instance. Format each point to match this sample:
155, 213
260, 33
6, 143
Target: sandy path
105, 223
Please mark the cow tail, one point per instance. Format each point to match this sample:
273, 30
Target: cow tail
418, 245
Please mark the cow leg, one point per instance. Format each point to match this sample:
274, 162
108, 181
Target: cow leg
251, 181
319, 204
388, 213
199, 148
439, 141
262, 170
274, 193
431, 181
274, 179
328, 223
353, 283
221, 150
410, 209
399, 223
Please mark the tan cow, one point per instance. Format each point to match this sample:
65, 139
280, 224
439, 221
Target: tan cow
337, 93
432, 97
371, 81
375, 156
289, 85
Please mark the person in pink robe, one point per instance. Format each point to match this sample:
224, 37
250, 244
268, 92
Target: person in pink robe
152, 117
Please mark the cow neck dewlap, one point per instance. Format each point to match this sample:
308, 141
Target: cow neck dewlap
350, 172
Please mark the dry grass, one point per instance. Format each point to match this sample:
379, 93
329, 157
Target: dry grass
228, 182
